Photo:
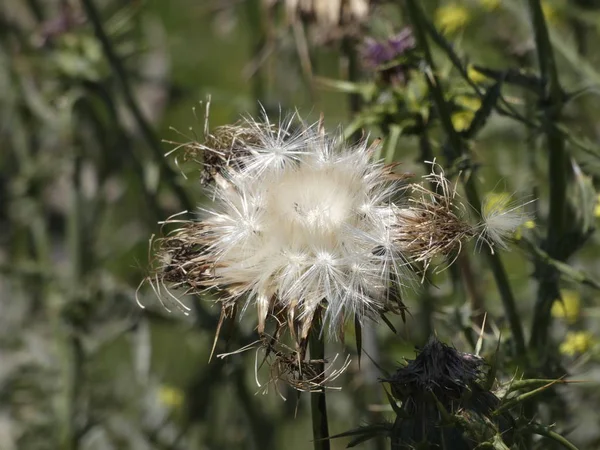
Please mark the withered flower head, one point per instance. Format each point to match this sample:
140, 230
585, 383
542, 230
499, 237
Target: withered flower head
438, 369
434, 223
443, 402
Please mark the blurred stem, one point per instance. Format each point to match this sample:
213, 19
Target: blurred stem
36, 9
318, 402
123, 82
260, 425
557, 176
427, 301
257, 26
469, 279
456, 150
348, 50
72, 351
463, 260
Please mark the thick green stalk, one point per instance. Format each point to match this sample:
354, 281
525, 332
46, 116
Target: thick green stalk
318, 402
457, 149
557, 176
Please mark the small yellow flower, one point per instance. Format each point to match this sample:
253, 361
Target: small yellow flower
496, 201
550, 13
476, 76
469, 102
569, 308
451, 17
597, 209
490, 5
528, 225
462, 120
170, 396
576, 342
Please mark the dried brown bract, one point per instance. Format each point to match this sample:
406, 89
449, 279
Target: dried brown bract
434, 223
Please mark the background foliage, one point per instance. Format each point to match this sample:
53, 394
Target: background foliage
89, 89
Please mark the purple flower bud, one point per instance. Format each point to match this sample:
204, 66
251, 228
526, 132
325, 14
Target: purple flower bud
377, 53
402, 42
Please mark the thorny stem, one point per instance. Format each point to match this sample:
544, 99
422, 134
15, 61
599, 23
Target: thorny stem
318, 402
557, 175
456, 150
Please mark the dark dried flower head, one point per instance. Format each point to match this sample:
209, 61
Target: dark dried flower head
438, 368
443, 403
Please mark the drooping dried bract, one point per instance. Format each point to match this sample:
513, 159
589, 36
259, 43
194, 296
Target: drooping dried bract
434, 223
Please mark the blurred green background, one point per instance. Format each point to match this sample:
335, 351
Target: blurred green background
88, 92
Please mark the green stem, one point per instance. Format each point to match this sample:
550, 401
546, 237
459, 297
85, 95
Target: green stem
457, 149
318, 402
557, 174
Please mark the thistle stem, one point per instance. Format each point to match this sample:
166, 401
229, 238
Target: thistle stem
456, 150
318, 402
557, 169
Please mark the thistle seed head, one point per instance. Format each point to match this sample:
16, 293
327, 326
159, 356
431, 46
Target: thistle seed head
298, 220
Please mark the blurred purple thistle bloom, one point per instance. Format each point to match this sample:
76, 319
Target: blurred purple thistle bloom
377, 53
402, 41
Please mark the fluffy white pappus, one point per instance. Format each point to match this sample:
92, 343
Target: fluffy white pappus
305, 219
501, 217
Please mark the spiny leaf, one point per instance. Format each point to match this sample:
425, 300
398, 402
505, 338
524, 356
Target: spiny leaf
545, 431
365, 433
535, 383
511, 403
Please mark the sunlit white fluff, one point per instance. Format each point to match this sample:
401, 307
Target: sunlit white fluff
501, 217
305, 219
